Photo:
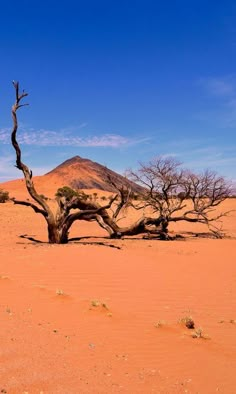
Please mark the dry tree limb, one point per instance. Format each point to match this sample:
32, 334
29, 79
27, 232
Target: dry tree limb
19, 164
29, 204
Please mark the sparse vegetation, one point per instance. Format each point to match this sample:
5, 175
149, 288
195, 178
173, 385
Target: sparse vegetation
198, 333
97, 303
159, 323
188, 322
68, 193
4, 196
60, 292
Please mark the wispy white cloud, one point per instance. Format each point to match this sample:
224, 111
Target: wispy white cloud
5, 161
71, 129
40, 170
5, 135
222, 86
66, 137
188, 144
222, 159
171, 154
223, 165
223, 89
199, 154
7, 169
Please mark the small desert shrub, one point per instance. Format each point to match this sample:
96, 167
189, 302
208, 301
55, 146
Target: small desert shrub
69, 193
159, 323
4, 196
198, 333
96, 303
60, 292
188, 322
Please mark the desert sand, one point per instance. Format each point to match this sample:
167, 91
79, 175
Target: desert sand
103, 316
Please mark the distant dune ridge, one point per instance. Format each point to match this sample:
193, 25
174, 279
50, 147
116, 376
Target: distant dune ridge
78, 173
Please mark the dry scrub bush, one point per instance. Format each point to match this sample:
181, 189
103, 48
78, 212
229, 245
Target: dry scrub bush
4, 196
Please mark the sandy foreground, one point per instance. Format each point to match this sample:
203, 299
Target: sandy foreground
92, 318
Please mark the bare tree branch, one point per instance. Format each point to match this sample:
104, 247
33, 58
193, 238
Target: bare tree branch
29, 204
171, 190
19, 164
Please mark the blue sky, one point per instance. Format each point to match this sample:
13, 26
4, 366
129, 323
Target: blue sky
120, 82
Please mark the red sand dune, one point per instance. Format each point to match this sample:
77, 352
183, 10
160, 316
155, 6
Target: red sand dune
88, 318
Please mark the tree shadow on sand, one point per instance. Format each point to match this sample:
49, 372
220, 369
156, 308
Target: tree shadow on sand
72, 240
89, 240
31, 238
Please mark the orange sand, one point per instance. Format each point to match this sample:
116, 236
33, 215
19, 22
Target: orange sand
85, 318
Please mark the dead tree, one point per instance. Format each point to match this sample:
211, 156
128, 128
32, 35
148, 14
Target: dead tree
175, 194
107, 222
124, 197
59, 223
108, 219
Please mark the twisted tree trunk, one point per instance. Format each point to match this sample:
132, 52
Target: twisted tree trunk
58, 224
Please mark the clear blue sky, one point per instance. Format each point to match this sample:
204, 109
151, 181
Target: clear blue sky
120, 82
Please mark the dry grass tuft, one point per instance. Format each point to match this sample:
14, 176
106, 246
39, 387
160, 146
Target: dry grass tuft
198, 333
97, 303
159, 324
188, 322
60, 292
